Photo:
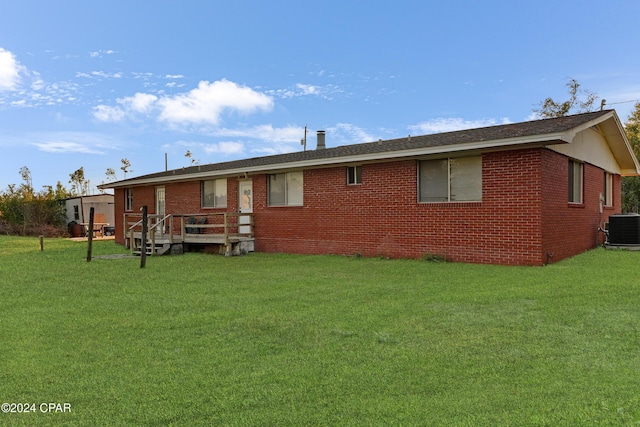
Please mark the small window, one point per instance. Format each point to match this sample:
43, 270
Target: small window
608, 189
214, 193
354, 175
76, 212
575, 181
128, 199
451, 180
286, 189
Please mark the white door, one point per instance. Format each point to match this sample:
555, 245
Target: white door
160, 208
245, 193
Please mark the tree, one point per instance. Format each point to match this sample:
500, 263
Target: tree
79, 184
549, 108
631, 184
27, 212
111, 174
26, 188
189, 155
126, 164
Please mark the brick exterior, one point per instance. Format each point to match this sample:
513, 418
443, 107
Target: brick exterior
569, 229
524, 217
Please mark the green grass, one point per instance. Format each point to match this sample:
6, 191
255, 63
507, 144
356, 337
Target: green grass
265, 340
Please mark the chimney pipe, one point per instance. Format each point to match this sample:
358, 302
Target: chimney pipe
321, 145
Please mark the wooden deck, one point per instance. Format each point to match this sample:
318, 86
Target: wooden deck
228, 230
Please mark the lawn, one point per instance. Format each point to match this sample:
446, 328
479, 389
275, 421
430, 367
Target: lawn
289, 340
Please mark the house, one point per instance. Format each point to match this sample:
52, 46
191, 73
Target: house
77, 209
527, 193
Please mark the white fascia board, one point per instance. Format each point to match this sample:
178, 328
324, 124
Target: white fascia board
370, 157
625, 140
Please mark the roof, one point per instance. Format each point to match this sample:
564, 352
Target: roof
88, 196
531, 133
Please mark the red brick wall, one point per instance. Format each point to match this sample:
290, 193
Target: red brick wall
141, 196
569, 229
514, 224
382, 217
118, 210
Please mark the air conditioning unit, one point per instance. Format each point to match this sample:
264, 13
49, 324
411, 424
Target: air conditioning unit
624, 229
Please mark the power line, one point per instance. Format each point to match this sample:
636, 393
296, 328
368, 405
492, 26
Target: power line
623, 102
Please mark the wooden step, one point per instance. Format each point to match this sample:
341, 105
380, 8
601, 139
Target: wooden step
160, 249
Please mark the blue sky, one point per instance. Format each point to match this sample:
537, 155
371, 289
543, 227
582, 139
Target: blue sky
86, 84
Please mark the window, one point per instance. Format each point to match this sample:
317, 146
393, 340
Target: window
608, 189
128, 199
575, 181
354, 175
451, 180
76, 212
285, 189
214, 193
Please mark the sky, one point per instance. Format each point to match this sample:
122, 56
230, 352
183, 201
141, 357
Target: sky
88, 83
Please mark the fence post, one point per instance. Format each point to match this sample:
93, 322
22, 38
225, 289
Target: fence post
143, 243
90, 234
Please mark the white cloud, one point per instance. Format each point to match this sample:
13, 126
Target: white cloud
264, 133
308, 89
66, 147
222, 147
225, 147
452, 124
140, 102
99, 53
21, 87
10, 70
301, 89
349, 133
101, 74
206, 103
104, 113
202, 105
37, 83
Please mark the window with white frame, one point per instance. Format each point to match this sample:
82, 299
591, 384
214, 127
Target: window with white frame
128, 199
608, 189
575, 181
354, 175
285, 189
451, 180
214, 193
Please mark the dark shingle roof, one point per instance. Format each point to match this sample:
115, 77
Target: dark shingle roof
491, 133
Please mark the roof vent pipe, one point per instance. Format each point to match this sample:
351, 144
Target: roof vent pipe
321, 145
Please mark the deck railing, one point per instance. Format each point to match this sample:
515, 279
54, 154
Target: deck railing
223, 227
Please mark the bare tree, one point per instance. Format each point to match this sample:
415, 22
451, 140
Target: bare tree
549, 108
126, 164
111, 174
189, 155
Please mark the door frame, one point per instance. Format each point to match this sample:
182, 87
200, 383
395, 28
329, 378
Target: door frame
163, 211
